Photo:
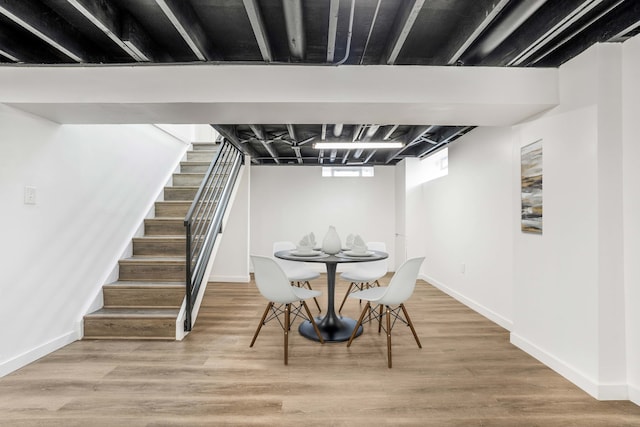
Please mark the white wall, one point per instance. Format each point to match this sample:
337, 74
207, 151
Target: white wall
556, 273
95, 183
290, 201
570, 295
631, 207
468, 218
571, 314
231, 263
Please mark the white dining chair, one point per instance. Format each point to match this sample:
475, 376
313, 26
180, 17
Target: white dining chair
282, 298
365, 275
390, 299
298, 273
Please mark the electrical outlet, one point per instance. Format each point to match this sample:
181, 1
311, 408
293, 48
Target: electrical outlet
29, 195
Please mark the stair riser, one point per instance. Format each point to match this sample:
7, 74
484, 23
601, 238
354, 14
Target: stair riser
159, 248
200, 156
129, 328
143, 297
194, 168
172, 210
179, 193
187, 180
152, 272
164, 228
199, 146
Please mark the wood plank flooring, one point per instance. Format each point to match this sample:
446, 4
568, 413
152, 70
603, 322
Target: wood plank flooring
466, 374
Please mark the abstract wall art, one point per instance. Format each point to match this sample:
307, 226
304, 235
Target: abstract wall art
531, 187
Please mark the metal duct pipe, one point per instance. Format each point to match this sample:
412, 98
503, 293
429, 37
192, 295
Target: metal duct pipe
494, 36
337, 129
295, 28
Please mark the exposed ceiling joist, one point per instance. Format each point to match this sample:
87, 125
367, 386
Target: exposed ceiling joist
575, 33
108, 19
404, 22
257, 24
292, 133
416, 133
257, 131
229, 132
40, 22
185, 20
553, 32
455, 135
479, 29
334, 8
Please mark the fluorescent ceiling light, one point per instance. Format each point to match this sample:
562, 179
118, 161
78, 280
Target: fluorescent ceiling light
357, 145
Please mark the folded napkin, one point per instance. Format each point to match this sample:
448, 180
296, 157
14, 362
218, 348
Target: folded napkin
359, 246
349, 242
307, 243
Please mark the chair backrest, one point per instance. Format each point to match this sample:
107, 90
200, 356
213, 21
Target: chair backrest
284, 263
402, 283
271, 280
376, 268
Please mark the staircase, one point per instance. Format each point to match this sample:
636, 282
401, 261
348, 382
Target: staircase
144, 302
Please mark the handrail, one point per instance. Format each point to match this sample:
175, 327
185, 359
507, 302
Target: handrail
203, 221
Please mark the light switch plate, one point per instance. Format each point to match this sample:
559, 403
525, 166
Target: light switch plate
29, 195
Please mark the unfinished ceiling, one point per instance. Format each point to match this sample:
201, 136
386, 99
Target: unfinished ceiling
495, 33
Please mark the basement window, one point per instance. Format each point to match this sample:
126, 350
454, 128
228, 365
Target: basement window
436, 165
347, 171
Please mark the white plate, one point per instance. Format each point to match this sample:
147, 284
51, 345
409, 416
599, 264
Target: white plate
311, 253
357, 254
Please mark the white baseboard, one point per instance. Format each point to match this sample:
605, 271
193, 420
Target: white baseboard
634, 394
479, 308
597, 390
240, 279
17, 362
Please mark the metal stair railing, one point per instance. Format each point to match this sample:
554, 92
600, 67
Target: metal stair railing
203, 222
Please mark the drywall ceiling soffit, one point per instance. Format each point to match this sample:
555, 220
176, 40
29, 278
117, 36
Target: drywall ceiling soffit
453, 33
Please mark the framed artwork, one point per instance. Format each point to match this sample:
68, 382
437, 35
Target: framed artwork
531, 187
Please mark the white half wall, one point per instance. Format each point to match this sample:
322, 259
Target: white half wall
231, 263
94, 186
288, 202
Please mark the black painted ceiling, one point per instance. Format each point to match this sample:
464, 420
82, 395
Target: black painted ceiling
500, 33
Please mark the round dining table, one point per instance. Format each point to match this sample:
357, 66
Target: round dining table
333, 328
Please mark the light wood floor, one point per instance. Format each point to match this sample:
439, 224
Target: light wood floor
466, 374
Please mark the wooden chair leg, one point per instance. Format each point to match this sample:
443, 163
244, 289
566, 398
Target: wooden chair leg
345, 297
380, 320
307, 285
410, 323
287, 325
389, 335
314, 298
264, 316
359, 323
313, 323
